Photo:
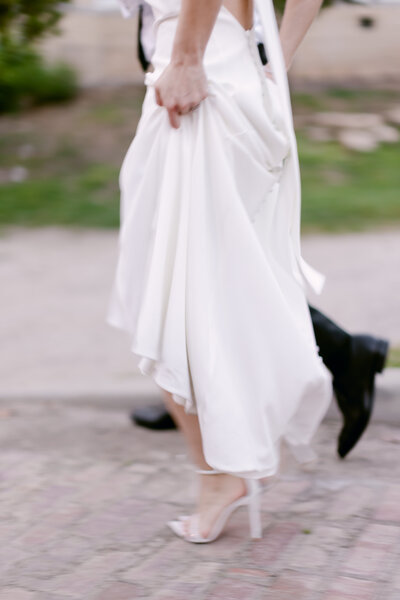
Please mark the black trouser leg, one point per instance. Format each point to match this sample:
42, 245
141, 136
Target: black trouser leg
333, 342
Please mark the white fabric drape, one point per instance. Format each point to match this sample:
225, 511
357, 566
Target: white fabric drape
274, 52
209, 281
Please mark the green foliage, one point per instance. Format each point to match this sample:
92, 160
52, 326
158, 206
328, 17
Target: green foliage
26, 80
27, 20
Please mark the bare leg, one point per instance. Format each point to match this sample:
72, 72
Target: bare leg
215, 491
189, 425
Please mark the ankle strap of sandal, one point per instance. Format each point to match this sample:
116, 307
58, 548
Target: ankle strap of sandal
207, 471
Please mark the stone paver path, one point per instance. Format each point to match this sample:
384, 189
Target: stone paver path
84, 497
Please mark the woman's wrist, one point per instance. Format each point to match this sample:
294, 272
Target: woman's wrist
186, 59
187, 51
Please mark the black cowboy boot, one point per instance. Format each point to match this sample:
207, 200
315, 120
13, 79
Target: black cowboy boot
353, 360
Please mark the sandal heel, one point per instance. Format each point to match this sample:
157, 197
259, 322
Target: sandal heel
251, 500
254, 509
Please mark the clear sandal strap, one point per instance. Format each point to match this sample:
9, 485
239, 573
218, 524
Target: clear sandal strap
194, 526
207, 471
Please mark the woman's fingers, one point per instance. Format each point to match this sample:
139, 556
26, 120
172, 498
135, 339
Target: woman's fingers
180, 90
174, 118
176, 111
158, 96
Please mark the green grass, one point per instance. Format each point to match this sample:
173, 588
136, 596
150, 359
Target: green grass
348, 191
342, 191
77, 153
394, 358
349, 100
107, 113
88, 199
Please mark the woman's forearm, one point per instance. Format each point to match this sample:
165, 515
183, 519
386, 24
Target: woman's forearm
297, 18
195, 24
183, 83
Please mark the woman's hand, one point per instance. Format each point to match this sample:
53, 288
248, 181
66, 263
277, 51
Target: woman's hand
180, 89
183, 83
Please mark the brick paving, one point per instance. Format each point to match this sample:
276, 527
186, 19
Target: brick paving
84, 497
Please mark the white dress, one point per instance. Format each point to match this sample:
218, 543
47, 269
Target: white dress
209, 281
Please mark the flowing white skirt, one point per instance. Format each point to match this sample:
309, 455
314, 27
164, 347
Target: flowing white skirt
205, 282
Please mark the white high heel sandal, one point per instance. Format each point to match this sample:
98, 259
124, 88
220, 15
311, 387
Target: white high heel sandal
251, 500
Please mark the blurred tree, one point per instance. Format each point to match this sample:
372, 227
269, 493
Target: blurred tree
24, 21
25, 78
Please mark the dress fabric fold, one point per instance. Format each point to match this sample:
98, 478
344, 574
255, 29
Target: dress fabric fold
208, 281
